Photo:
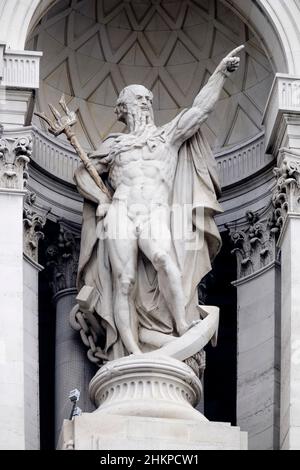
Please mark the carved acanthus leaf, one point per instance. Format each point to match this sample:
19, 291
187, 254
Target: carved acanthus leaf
254, 244
62, 260
286, 197
33, 227
15, 155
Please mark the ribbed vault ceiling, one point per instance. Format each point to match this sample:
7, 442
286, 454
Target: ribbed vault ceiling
93, 48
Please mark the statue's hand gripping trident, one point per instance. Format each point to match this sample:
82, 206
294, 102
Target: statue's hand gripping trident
63, 125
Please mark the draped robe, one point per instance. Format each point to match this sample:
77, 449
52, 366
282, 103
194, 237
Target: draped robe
196, 186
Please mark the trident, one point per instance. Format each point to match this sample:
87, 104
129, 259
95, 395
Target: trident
63, 125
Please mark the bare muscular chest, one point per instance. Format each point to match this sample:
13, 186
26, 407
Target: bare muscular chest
134, 164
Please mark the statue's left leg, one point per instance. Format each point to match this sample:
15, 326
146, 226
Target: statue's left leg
123, 260
169, 277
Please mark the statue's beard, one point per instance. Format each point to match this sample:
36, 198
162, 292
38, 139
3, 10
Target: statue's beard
138, 119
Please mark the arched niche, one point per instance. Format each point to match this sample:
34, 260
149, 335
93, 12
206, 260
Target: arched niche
271, 20
92, 50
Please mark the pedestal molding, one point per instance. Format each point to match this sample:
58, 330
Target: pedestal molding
157, 387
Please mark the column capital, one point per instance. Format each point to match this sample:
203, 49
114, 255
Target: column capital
15, 155
254, 242
33, 227
286, 196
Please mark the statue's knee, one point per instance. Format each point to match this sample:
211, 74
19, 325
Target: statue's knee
126, 284
161, 260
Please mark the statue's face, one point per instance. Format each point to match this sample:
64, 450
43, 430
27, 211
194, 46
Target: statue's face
142, 98
134, 100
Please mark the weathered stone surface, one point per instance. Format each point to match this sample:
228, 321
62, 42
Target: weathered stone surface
142, 433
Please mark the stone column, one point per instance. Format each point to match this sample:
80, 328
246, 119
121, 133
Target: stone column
287, 203
14, 158
19, 395
33, 225
72, 367
254, 244
282, 123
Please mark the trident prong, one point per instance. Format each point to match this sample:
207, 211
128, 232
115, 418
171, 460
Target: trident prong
45, 118
62, 125
63, 104
55, 113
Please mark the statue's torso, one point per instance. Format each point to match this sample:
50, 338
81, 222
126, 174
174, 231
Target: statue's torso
143, 174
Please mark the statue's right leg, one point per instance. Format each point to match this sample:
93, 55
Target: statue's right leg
123, 260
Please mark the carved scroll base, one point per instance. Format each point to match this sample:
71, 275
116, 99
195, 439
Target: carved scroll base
147, 403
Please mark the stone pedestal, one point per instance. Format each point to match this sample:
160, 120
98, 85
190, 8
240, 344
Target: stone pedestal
111, 432
146, 402
157, 387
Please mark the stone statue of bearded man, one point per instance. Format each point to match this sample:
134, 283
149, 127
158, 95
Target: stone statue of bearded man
144, 276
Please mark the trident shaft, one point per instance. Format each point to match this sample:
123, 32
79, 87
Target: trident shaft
63, 125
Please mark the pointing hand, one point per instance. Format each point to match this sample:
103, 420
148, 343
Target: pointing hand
231, 62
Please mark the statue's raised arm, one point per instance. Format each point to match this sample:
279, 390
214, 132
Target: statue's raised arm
207, 98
